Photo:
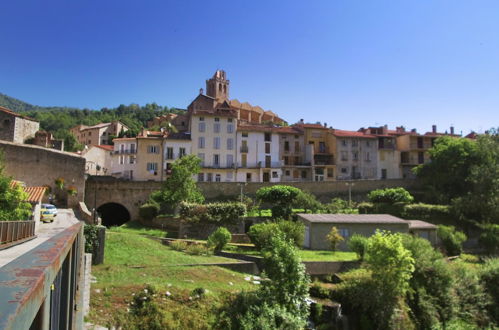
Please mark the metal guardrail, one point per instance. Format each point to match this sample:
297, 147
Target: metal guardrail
42, 289
15, 232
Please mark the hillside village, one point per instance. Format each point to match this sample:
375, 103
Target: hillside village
239, 142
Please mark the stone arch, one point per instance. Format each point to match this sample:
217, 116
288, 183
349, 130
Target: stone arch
113, 214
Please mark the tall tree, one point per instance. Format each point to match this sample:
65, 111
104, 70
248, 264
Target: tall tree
13, 205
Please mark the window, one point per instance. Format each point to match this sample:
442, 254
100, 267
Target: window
132, 148
368, 143
344, 170
216, 127
230, 143
230, 160
217, 119
201, 156
297, 146
248, 177
344, 156
210, 177
169, 153
344, 143
181, 152
201, 118
122, 160
202, 127
382, 156
152, 149
218, 177
216, 142
303, 174
244, 160
368, 157
287, 173
152, 167
229, 176
330, 172
244, 134
229, 120
267, 148
297, 160
200, 177
286, 160
275, 175
296, 174
216, 160
268, 137
355, 155
201, 142
355, 143
230, 128
89, 133
322, 147
344, 232
6, 123
286, 145
132, 159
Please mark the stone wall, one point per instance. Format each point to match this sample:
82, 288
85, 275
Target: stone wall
131, 194
38, 166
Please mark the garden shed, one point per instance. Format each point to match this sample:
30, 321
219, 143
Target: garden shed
317, 226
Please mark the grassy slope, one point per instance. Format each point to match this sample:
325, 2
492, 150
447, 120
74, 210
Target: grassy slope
118, 278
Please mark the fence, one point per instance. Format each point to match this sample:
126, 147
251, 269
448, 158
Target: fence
15, 232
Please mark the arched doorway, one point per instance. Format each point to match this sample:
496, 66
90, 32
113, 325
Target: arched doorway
113, 214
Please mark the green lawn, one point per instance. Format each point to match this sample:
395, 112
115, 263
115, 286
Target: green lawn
306, 255
135, 227
133, 260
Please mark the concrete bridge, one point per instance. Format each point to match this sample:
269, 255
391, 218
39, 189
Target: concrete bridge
118, 201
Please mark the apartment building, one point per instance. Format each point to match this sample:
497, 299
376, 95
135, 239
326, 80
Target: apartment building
175, 146
15, 127
124, 158
296, 165
258, 154
98, 159
320, 150
357, 155
99, 134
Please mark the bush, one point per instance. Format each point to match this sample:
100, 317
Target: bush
178, 245
390, 196
318, 291
358, 244
337, 205
452, 240
197, 249
428, 212
91, 233
307, 201
214, 213
149, 210
334, 238
219, 238
260, 234
281, 197
489, 238
489, 278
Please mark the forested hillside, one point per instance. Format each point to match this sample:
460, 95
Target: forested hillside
59, 119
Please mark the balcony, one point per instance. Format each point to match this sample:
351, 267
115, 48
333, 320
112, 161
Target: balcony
324, 159
426, 145
243, 149
124, 152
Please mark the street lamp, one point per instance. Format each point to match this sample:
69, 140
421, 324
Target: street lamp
241, 185
350, 185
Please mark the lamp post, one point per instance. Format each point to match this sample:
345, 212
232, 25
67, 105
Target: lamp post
241, 185
350, 185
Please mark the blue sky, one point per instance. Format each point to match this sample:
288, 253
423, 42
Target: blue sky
349, 63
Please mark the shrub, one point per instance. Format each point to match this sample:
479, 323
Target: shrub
318, 291
178, 245
334, 238
199, 292
261, 233
489, 278
215, 213
91, 233
390, 196
197, 249
452, 240
149, 211
358, 244
219, 238
489, 238
307, 201
337, 205
428, 212
281, 197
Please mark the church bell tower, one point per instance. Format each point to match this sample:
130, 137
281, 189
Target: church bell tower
218, 86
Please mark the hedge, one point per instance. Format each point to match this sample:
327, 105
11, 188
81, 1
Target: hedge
214, 213
148, 211
427, 212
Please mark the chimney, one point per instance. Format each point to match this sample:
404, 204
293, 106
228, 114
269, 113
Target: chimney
434, 128
301, 121
325, 125
413, 130
452, 130
385, 129
201, 91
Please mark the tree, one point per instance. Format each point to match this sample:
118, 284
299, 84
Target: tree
281, 197
334, 238
13, 205
219, 238
452, 239
180, 186
390, 196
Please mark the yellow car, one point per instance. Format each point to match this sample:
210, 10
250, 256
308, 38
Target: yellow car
47, 216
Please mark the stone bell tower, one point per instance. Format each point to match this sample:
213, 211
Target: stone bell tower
218, 86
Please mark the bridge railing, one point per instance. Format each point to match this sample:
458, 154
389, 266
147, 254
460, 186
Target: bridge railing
15, 232
43, 288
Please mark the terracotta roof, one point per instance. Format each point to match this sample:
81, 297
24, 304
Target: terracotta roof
418, 224
472, 135
106, 147
124, 139
311, 126
342, 133
289, 130
35, 194
353, 218
260, 128
10, 112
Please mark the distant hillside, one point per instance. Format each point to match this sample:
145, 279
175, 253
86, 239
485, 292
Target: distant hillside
21, 106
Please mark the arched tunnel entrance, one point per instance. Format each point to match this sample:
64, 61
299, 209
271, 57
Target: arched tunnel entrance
113, 214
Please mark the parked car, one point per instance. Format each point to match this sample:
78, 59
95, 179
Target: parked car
51, 208
47, 216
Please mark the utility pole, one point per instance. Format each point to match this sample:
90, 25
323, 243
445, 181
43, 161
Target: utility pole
350, 185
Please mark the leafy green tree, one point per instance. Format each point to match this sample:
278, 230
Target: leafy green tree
307, 201
281, 197
334, 238
13, 205
219, 239
358, 244
180, 186
261, 233
390, 196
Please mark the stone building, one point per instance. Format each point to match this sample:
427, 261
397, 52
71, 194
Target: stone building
98, 134
15, 127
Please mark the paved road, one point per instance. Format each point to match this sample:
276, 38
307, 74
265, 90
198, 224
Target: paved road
64, 219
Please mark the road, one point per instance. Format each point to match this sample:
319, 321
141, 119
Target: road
64, 219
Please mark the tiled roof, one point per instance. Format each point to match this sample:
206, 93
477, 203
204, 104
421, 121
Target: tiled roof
342, 133
289, 130
352, 218
105, 147
10, 112
418, 224
311, 126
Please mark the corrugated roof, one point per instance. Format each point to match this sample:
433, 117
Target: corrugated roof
353, 218
418, 224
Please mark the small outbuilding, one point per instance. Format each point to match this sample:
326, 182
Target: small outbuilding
317, 226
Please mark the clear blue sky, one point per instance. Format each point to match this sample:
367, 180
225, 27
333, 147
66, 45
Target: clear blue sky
349, 63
